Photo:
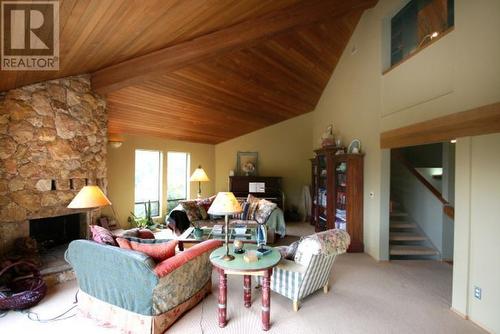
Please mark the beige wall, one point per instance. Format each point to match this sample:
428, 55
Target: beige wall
458, 72
477, 230
284, 150
121, 170
351, 101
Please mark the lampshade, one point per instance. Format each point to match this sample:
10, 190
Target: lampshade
89, 197
199, 175
225, 204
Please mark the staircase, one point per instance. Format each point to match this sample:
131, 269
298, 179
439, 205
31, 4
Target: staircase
405, 239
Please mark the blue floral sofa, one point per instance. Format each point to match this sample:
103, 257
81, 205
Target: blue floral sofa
128, 290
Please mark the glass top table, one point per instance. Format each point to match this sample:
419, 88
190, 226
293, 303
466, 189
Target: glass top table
250, 236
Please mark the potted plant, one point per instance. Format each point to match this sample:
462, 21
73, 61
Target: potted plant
146, 221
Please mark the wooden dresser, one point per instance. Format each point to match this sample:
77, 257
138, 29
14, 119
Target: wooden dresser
268, 187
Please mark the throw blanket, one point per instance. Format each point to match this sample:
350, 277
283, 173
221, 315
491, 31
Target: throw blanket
178, 221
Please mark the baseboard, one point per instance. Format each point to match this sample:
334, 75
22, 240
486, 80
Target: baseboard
483, 327
460, 314
466, 317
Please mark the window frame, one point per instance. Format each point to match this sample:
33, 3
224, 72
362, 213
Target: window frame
160, 168
450, 25
187, 168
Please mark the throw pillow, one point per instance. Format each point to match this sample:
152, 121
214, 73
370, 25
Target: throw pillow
203, 212
142, 233
242, 215
291, 250
102, 235
288, 252
191, 209
308, 246
264, 210
205, 202
157, 249
253, 203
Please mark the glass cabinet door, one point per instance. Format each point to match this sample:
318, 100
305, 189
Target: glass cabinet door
341, 195
322, 192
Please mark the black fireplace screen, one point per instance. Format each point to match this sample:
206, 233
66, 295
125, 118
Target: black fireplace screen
54, 231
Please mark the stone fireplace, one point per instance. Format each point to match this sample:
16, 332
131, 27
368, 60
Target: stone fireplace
53, 139
55, 231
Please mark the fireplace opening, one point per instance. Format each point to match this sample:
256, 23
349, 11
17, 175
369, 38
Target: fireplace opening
55, 231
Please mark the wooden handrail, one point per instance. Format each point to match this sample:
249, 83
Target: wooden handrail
447, 208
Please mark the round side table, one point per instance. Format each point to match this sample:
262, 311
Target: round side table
263, 267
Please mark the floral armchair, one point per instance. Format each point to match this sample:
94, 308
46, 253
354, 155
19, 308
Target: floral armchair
311, 267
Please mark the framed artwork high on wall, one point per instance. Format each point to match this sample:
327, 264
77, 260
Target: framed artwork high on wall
247, 163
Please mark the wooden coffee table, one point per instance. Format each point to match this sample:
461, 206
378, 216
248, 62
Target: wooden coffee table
263, 267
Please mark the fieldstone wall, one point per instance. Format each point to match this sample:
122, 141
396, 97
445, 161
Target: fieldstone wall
53, 139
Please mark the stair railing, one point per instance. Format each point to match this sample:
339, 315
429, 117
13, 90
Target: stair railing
447, 207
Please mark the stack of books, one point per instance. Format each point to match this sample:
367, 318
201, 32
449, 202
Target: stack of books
217, 229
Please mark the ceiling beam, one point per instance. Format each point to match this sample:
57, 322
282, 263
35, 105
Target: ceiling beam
474, 122
236, 37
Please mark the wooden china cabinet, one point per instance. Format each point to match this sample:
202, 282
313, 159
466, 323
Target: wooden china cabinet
337, 194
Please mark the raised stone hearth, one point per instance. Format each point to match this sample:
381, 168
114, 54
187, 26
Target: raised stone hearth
53, 139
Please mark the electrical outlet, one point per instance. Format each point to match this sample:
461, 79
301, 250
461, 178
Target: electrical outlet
477, 292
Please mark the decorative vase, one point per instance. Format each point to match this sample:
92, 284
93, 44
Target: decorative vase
198, 233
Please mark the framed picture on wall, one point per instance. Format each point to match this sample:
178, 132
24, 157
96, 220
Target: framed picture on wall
247, 163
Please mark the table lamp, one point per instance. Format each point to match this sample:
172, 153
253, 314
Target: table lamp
225, 204
199, 176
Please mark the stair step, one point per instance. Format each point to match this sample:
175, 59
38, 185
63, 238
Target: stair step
411, 250
401, 236
399, 214
402, 225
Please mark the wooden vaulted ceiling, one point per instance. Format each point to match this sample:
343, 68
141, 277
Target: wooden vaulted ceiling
201, 70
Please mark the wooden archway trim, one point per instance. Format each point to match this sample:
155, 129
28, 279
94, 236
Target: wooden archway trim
474, 122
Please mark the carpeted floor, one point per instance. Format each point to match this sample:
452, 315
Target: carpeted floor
365, 297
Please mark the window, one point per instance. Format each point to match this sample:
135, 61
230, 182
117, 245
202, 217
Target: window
417, 24
147, 182
177, 178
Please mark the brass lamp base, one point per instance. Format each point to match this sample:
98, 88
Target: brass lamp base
227, 257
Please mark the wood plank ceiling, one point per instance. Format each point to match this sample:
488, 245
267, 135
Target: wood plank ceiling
213, 93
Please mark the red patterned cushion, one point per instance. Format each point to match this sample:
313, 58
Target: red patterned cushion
102, 235
157, 251
144, 233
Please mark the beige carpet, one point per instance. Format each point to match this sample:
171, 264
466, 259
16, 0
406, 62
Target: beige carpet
366, 297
